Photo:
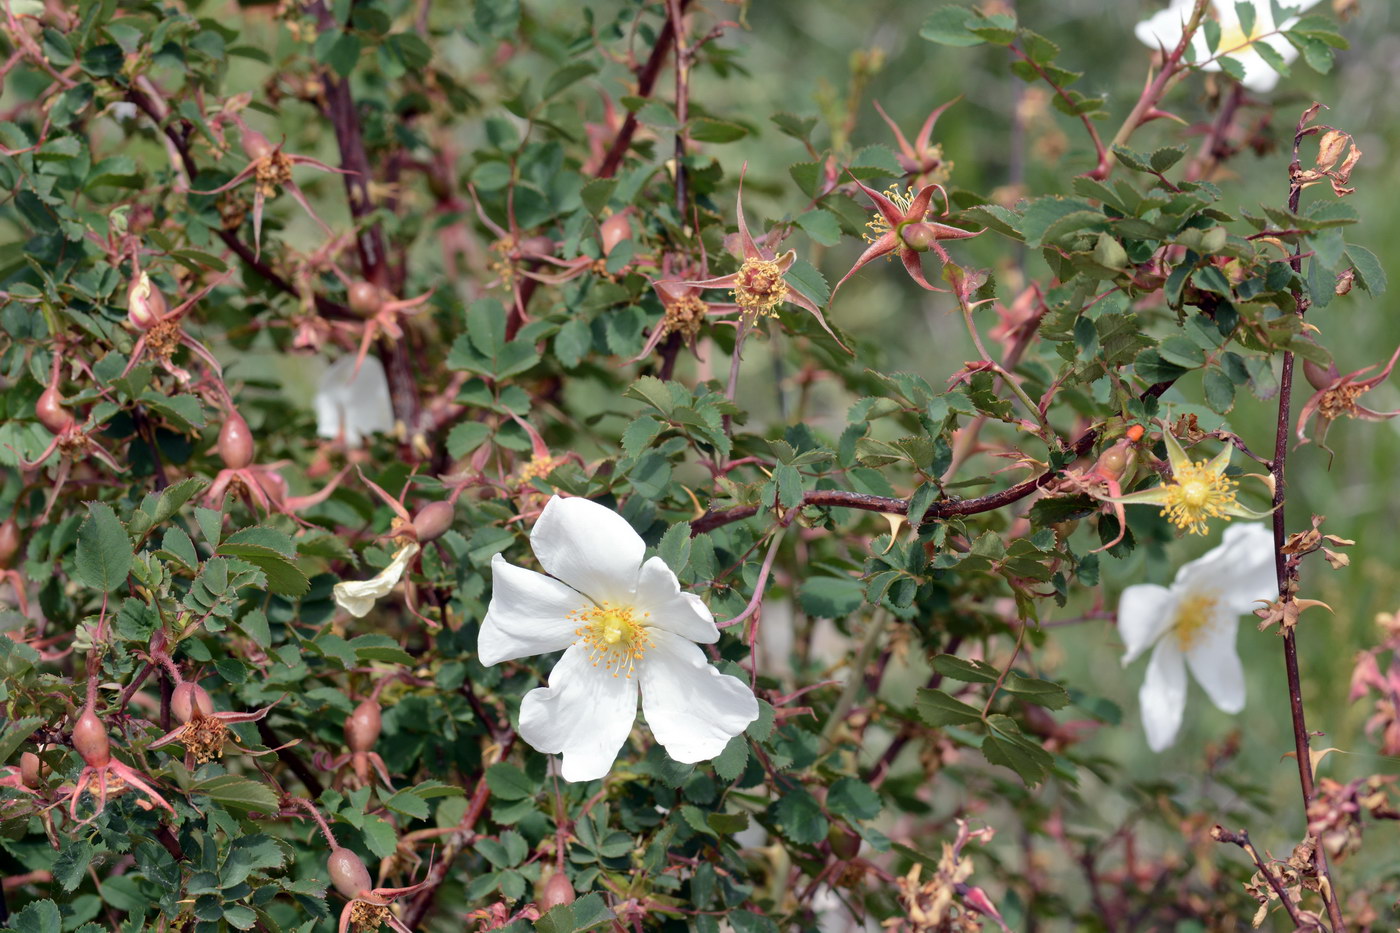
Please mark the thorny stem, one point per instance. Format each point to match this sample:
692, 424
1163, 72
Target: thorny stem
646, 80
1154, 90
310, 808
1001, 678
761, 585
1283, 574
1047, 434
1241, 839
675, 19
1213, 149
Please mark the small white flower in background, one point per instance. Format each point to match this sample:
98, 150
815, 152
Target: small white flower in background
358, 597
1163, 31
356, 404
623, 626
1193, 624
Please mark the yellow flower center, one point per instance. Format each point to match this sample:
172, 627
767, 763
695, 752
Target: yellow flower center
879, 226
539, 468
205, 736
683, 316
759, 288
1193, 615
366, 917
615, 637
1233, 39
1197, 494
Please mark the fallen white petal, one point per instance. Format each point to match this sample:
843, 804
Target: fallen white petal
358, 597
692, 709
585, 714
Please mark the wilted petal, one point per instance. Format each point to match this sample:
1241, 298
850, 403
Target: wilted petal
692, 709
357, 597
585, 714
659, 593
590, 547
1163, 695
1145, 611
528, 614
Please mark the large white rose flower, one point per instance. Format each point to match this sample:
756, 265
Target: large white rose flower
1193, 624
624, 626
1163, 31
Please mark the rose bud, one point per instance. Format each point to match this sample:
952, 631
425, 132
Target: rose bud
556, 890
9, 542
90, 739
51, 413
365, 298
256, 145
235, 442
348, 873
30, 770
145, 305
187, 697
362, 727
1319, 377
433, 520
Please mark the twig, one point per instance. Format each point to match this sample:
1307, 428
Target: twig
646, 81
1282, 570
1241, 839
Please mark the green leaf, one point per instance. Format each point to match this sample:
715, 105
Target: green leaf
379, 836
184, 412
1272, 57
566, 77
508, 782
38, 917
1152, 368
465, 437
948, 26
1034, 690
1220, 391
380, 648
104, 550
15, 734
1246, 12
1370, 274
1004, 745
674, 547
799, 817
1182, 352
831, 597
821, 225
853, 799
708, 130
729, 764
71, 866
965, 669
939, 709
804, 277
1164, 158
1043, 213
238, 793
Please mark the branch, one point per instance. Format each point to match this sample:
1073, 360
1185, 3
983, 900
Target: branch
1283, 572
646, 81
1221, 834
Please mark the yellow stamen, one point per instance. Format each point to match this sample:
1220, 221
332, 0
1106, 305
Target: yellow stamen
759, 288
683, 316
205, 736
1193, 616
879, 226
366, 917
615, 637
1339, 401
1195, 494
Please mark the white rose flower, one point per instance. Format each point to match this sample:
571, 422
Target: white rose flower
358, 597
624, 626
356, 403
1163, 31
1193, 624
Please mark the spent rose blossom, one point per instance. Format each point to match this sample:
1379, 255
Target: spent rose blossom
1192, 624
625, 627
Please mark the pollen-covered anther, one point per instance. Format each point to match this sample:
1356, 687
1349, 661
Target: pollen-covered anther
366, 917
539, 468
616, 638
879, 226
684, 316
273, 173
1340, 401
205, 736
759, 288
1197, 494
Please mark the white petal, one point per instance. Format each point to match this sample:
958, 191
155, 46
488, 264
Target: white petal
1216, 664
528, 614
659, 593
1163, 695
590, 547
1237, 572
692, 708
1145, 611
584, 714
357, 597
1163, 30
357, 404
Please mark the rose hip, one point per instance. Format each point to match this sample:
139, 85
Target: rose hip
90, 739
186, 697
235, 442
365, 298
362, 727
51, 412
557, 890
9, 542
433, 520
348, 873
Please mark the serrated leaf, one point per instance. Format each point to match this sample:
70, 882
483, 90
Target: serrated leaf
853, 800
1034, 690
104, 551
71, 866
237, 792
804, 277
937, 708
965, 669
948, 26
